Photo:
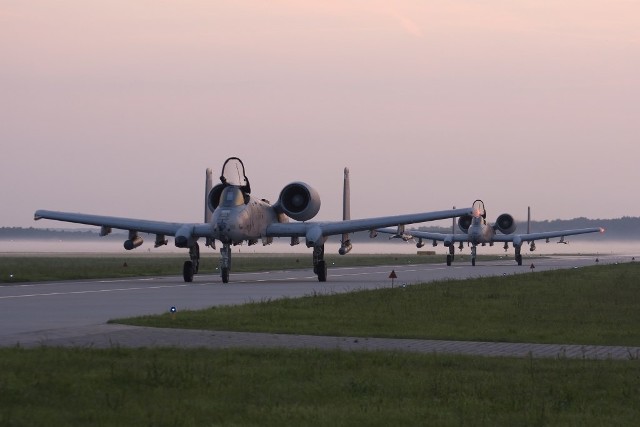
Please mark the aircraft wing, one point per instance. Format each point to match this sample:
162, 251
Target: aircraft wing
313, 230
518, 238
544, 235
439, 237
145, 226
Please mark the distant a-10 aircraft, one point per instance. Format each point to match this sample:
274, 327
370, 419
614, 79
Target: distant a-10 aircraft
233, 216
476, 231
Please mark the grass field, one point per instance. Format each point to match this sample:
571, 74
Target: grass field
176, 387
179, 387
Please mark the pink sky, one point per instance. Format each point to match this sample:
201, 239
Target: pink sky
118, 107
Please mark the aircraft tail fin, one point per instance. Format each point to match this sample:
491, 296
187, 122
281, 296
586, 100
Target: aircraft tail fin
346, 212
453, 224
346, 196
528, 219
208, 185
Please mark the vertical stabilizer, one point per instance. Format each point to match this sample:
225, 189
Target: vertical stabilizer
346, 196
346, 212
208, 185
528, 219
453, 224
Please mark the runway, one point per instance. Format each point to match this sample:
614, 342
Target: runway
75, 312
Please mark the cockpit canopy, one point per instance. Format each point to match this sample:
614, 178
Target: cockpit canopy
234, 188
233, 174
478, 209
231, 196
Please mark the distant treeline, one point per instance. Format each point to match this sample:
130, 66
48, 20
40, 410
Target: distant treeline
625, 228
19, 233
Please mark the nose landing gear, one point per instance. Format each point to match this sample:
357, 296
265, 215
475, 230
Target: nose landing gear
225, 262
473, 255
518, 256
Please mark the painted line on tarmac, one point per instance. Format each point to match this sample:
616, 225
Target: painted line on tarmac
95, 291
142, 279
87, 282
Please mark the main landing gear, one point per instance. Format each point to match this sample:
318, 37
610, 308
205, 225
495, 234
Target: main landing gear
190, 268
473, 255
319, 264
451, 255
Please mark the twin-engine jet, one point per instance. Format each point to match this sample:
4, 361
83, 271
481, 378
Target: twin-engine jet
476, 231
233, 216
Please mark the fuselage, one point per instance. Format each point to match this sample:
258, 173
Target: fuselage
479, 231
239, 217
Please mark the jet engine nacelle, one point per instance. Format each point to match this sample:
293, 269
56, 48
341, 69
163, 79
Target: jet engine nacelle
505, 223
298, 201
213, 199
464, 222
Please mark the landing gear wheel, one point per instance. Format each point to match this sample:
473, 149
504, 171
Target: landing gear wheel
473, 262
449, 259
225, 275
519, 259
187, 271
321, 270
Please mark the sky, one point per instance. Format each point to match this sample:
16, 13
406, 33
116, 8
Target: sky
118, 107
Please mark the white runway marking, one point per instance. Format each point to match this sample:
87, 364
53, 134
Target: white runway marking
94, 291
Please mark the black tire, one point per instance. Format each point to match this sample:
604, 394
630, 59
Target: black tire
225, 275
519, 259
449, 259
322, 271
187, 271
473, 262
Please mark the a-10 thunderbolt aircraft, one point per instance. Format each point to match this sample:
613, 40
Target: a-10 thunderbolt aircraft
233, 216
476, 231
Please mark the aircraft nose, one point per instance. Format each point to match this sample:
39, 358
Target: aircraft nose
221, 229
230, 232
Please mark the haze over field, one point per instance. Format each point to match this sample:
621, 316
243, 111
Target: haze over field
117, 107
